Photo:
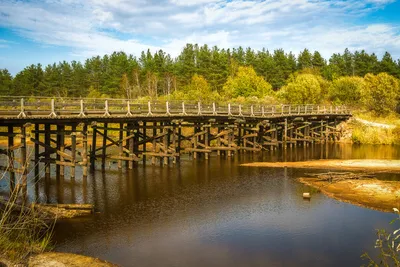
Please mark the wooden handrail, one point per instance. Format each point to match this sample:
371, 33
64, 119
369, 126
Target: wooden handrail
85, 107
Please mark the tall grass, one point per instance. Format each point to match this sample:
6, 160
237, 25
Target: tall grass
388, 245
23, 229
365, 134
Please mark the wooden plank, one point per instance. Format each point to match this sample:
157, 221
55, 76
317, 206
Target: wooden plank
223, 148
64, 163
200, 150
155, 154
50, 148
250, 135
124, 158
116, 143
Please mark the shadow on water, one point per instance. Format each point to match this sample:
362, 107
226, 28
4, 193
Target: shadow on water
216, 213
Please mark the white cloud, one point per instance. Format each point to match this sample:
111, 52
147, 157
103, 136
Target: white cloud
102, 26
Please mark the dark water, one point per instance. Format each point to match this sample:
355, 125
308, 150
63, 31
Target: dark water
216, 213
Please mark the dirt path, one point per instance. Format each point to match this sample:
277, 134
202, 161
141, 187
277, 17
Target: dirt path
375, 124
359, 164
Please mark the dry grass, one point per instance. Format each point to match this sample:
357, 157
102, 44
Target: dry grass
23, 230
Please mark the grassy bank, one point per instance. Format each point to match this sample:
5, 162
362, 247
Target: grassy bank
369, 129
23, 230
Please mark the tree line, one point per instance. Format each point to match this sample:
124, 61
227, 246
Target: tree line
211, 73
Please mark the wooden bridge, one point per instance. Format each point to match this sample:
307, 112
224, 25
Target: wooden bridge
68, 132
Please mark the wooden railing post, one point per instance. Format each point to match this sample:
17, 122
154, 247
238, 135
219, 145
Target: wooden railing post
22, 113
229, 109
107, 110
214, 111
167, 106
128, 107
262, 111
240, 110
183, 109
149, 113
199, 108
53, 111
82, 112
251, 111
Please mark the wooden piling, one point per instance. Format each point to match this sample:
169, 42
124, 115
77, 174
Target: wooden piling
25, 164
121, 145
37, 151
47, 136
73, 151
93, 151
10, 155
85, 151
104, 147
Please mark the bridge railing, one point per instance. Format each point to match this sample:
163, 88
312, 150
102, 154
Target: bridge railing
25, 107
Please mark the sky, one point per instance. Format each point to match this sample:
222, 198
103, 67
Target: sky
48, 31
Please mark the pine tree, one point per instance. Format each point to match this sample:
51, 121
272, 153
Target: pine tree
304, 60
6, 83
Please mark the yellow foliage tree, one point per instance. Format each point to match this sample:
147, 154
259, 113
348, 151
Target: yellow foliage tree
302, 89
381, 93
246, 83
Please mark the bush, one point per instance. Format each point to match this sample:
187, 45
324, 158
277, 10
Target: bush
381, 93
302, 89
346, 90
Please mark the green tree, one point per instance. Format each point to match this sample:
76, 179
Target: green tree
381, 93
347, 90
317, 60
304, 60
30, 81
388, 65
246, 83
6, 82
365, 63
302, 89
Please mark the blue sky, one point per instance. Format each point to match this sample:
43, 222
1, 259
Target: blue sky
48, 31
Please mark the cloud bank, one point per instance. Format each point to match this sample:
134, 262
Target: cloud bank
97, 27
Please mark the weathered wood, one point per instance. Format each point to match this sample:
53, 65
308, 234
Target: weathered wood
73, 152
104, 147
85, 151
25, 164
11, 158
93, 149
120, 145
37, 151
120, 158
47, 127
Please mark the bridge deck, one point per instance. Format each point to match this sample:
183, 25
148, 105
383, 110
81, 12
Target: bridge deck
150, 130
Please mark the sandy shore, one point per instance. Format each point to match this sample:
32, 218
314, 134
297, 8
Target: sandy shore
51, 259
370, 193
359, 164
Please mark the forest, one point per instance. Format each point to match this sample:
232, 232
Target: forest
213, 74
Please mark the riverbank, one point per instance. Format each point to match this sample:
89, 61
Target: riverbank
370, 193
54, 259
359, 164
365, 128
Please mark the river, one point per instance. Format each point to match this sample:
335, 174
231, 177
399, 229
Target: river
216, 213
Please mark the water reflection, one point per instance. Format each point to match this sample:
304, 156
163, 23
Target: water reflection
215, 213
